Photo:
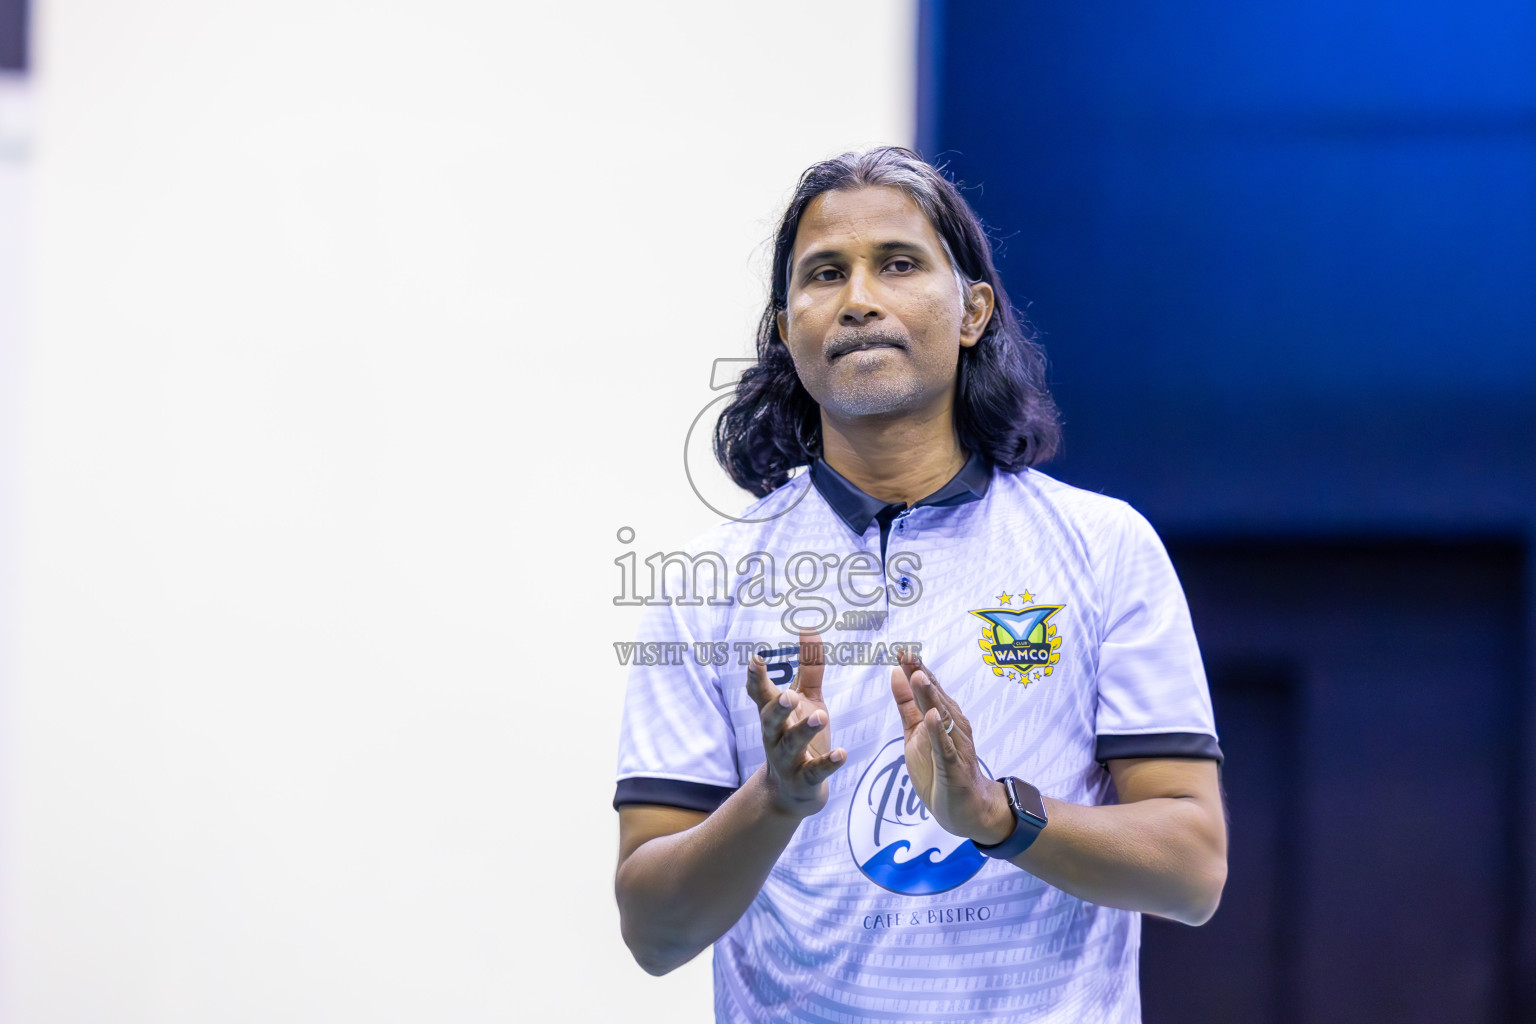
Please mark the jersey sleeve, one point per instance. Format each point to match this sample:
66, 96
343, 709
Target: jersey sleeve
1153, 699
676, 742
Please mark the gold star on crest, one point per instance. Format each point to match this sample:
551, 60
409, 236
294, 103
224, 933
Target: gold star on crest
1004, 598
1026, 597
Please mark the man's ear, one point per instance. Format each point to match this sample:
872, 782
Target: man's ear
783, 321
979, 303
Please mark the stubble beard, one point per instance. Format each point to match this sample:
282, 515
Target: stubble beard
894, 389
875, 395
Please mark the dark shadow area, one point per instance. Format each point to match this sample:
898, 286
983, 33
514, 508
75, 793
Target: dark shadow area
13, 35
1369, 698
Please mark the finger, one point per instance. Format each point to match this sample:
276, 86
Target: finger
776, 716
941, 740
943, 696
808, 679
799, 733
759, 687
923, 692
935, 695
818, 769
930, 696
906, 704
917, 664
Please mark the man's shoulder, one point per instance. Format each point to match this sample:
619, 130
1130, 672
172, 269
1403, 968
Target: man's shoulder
1089, 511
756, 525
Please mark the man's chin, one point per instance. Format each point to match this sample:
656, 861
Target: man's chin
871, 398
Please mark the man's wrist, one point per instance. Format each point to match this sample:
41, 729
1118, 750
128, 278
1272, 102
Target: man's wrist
998, 820
781, 804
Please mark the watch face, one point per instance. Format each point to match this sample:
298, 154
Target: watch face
1027, 799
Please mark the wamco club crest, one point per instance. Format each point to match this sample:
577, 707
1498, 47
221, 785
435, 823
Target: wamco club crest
1019, 642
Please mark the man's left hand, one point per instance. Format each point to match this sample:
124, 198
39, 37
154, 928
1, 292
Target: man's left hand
943, 766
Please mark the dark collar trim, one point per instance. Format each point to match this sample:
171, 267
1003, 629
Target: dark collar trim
858, 509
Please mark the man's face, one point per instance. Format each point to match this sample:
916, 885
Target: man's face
875, 319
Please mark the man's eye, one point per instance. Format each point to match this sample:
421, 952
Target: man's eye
824, 270
901, 265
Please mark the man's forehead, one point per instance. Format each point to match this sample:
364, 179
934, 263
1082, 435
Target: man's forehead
866, 216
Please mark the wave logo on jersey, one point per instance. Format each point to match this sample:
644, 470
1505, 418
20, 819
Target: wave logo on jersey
1020, 643
895, 841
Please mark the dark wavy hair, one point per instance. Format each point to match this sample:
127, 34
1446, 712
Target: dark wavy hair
1003, 408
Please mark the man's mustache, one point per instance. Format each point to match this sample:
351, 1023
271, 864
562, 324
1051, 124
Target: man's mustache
844, 342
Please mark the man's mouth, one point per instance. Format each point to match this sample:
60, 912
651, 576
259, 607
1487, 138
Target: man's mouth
843, 348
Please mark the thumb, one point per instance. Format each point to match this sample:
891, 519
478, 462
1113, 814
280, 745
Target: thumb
808, 682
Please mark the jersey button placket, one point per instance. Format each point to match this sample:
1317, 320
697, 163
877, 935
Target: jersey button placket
885, 591
901, 536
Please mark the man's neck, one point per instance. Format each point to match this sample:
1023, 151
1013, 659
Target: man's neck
897, 461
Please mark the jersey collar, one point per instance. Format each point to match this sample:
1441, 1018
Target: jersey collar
858, 509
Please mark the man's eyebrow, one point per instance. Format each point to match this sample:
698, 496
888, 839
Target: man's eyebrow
881, 248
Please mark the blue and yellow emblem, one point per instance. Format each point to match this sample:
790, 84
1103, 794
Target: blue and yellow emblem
1020, 643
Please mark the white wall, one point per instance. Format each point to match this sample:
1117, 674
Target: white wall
15, 188
360, 329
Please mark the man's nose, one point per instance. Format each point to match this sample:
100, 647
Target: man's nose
859, 303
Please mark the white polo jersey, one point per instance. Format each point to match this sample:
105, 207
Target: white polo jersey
1053, 617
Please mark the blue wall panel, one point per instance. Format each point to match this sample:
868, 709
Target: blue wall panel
1262, 239
14, 50
1284, 259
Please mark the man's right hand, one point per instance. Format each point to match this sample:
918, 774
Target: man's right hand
797, 733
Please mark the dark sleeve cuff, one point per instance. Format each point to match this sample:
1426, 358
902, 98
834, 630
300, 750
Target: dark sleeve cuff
695, 796
1157, 744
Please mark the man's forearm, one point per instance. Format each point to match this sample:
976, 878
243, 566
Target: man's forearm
1164, 855
679, 893
1158, 856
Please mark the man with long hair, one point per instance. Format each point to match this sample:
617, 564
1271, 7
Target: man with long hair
980, 849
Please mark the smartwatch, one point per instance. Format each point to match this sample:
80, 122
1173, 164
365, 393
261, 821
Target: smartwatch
1028, 819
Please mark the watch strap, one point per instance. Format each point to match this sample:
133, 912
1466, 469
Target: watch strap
1027, 823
